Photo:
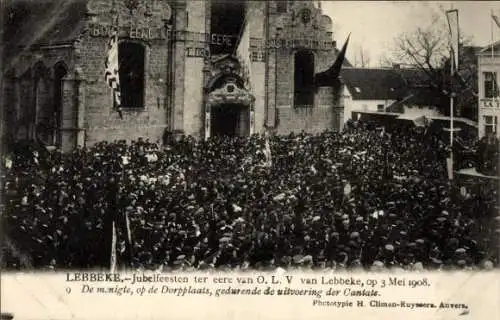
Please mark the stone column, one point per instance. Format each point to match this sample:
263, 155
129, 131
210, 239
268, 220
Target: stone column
80, 108
179, 57
207, 67
11, 105
73, 111
272, 71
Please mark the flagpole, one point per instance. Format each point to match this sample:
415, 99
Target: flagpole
453, 62
453, 65
243, 25
492, 38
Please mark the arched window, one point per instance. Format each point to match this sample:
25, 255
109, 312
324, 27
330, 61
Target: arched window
304, 79
60, 71
131, 57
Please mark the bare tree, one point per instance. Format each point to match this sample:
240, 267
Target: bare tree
427, 49
361, 57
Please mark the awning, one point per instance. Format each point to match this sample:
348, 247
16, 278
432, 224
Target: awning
419, 121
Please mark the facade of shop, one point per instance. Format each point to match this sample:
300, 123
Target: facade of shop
179, 70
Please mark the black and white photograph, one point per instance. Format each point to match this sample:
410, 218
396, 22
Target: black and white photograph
244, 136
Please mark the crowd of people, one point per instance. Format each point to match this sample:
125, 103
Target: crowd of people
363, 198
488, 153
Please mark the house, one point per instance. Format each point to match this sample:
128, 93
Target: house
488, 74
384, 90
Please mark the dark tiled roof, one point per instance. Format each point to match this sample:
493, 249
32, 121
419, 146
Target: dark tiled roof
414, 77
417, 96
472, 51
374, 84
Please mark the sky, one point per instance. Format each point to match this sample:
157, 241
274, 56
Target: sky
374, 24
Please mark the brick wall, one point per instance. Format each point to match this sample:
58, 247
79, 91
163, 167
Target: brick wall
18, 90
174, 82
101, 121
326, 112
312, 120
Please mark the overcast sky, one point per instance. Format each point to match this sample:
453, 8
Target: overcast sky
375, 24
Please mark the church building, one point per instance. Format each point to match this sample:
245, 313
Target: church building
199, 68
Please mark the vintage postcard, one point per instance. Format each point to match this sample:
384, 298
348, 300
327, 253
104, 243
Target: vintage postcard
182, 159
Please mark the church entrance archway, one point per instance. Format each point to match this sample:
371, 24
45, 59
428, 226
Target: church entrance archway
230, 120
229, 109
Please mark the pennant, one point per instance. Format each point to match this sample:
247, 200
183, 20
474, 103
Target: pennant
267, 153
243, 55
8, 162
495, 19
113, 249
112, 71
129, 232
452, 16
328, 77
449, 167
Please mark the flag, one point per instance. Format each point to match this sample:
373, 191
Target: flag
8, 162
267, 153
113, 249
449, 167
328, 77
111, 74
496, 19
243, 55
129, 232
452, 16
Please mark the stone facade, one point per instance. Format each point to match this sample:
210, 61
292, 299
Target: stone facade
58, 83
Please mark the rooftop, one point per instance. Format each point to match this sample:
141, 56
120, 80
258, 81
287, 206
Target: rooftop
373, 84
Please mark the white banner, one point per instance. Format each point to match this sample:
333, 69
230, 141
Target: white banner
252, 121
449, 168
207, 124
452, 16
